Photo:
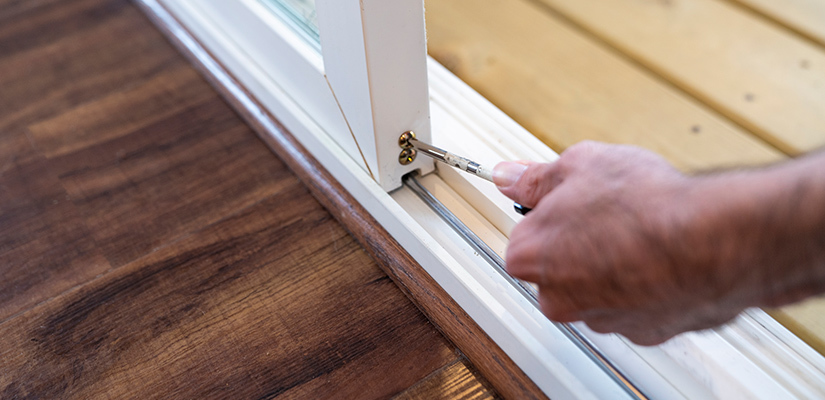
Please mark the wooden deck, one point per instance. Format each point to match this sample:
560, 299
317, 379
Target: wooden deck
706, 83
151, 246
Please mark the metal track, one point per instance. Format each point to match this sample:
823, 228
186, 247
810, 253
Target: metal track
524, 288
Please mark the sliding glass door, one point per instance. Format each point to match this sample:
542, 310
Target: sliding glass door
347, 78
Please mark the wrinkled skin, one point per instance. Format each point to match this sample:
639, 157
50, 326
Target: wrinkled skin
621, 240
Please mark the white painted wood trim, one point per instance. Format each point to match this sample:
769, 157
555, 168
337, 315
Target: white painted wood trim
375, 57
751, 359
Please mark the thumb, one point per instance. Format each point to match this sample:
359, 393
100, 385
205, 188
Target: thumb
526, 182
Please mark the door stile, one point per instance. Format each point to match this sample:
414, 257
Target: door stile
375, 59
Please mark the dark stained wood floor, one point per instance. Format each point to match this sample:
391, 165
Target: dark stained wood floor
151, 246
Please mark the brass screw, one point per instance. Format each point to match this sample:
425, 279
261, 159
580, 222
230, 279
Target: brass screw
404, 140
407, 156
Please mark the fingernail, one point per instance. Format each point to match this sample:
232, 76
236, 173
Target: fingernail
507, 173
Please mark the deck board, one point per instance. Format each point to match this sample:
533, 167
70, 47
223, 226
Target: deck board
152, 246
804, 17
564, 88
766, 79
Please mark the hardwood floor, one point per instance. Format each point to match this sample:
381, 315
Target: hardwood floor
45, 247
151, 246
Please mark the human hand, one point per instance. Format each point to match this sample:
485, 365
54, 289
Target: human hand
613, 240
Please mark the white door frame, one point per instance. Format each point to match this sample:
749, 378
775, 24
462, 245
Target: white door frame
754, 357
379, 79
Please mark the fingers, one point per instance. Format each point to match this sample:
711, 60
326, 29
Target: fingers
526, 183
647, 328
527, 252
559, 310
641, 331
638, 330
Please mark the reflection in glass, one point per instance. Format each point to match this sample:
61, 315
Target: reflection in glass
301, 13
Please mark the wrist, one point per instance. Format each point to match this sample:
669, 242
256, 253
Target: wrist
758, 227
719, 218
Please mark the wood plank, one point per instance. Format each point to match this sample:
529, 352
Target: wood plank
250, 307
45, 247
179, 87
22, 22
455, 381
442, 310
51, 59
166, 179
803, 17
765, 78
564, 88
79, 66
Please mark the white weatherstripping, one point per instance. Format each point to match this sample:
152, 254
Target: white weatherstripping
692, 365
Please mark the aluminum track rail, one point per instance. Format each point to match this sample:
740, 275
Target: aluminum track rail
526, 290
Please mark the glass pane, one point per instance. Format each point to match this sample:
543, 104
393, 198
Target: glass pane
301, 13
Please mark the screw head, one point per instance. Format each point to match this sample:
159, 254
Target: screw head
404, 140
407, 156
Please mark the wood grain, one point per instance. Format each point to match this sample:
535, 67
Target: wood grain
168, 178
441, 309
742, 66
22, 21
176, 89
565, 88
451, 382
250, 307
151, 246
803, 17
36, 208
45, 247
80, 64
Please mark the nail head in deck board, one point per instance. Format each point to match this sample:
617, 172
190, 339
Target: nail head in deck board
262, 302
565, 88
716, 51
